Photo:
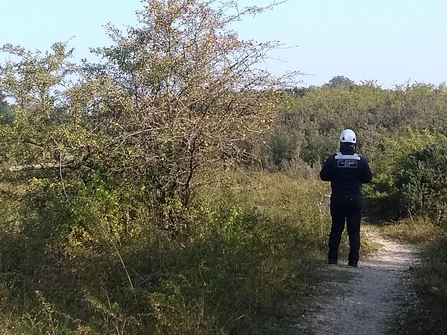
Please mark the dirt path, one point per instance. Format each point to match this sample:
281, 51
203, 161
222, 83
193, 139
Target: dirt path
357, 301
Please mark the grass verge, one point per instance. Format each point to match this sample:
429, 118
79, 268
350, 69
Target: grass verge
424, 310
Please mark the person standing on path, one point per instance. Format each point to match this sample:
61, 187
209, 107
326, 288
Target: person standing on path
347, 171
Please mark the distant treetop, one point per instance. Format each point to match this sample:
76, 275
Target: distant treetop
338, 81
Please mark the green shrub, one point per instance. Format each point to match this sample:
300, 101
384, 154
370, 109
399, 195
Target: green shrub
95, 262
421, 185
384, 192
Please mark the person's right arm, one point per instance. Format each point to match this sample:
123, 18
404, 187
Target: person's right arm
367, 174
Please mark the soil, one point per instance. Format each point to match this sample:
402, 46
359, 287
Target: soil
363, 300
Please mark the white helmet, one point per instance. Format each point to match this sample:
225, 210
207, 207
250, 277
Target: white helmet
348, 136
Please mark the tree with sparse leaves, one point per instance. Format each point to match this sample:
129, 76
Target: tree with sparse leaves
101, 156
183, 94
41, 128
179, 95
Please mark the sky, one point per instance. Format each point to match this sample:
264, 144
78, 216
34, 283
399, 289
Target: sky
392, 42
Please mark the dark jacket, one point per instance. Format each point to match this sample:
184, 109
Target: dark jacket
347, 171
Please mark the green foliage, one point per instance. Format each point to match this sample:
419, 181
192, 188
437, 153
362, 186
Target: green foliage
338, 81
44, 129
408, 176
235, 272
6, 113
93, 265
393, 152
421, 185
309, 127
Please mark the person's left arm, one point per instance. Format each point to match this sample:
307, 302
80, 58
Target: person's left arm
326, 170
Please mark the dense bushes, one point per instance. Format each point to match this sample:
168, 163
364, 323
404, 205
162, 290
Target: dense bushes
308, 130
409, 175
91, 267
422, 183
393, 150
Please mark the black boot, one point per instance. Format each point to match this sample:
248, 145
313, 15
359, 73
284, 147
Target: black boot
353, 263
332, 256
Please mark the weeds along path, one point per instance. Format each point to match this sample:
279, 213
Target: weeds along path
362, 300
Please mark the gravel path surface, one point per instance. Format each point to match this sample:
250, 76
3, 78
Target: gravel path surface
361, 300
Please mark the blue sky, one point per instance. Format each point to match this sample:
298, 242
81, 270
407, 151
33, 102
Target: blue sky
391, 41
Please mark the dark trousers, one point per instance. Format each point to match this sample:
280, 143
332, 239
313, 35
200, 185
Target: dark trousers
345, 209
